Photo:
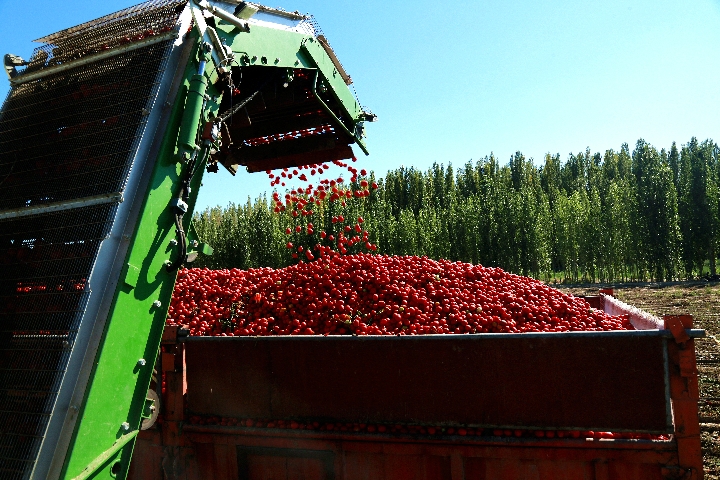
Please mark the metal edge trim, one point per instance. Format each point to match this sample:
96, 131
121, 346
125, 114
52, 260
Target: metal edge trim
116, 197
666, 374
665, 334
29, 77
71, 31
566, 442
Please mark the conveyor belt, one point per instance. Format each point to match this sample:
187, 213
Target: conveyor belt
68, 142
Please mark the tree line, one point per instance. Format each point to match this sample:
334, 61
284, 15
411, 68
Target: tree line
613, 217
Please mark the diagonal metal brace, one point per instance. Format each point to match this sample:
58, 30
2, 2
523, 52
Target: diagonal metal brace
95, 465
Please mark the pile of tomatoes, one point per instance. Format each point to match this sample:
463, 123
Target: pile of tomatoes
366, 294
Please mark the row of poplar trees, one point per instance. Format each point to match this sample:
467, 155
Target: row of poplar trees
613, 217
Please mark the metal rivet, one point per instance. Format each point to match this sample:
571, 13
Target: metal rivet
157, 304
142, 362
125, 426
173, 242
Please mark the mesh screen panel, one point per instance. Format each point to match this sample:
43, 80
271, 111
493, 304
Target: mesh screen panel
117, 29
43, 294
79, 145
66, 136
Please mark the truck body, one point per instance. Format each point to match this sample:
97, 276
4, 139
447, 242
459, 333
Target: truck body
476, 406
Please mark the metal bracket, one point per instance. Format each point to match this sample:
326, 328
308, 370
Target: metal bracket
95, 465
151, 411
676, 327
101, 199
224, 15
224, 52
337, 121
10, 62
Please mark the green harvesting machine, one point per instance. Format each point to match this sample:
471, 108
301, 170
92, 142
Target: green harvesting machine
104, 139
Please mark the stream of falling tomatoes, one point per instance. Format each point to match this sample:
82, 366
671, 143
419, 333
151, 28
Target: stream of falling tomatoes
336, 289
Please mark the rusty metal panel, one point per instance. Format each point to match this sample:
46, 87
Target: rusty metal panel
367, 466
607, 381
321, 455
259, 463
147, 461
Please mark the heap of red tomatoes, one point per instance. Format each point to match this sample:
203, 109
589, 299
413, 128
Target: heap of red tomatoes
366, 294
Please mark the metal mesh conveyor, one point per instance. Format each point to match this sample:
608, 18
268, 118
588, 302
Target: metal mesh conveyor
68, 141
104, 139
47, 260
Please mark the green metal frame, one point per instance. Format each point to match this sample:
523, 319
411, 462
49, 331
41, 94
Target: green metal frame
116, 392
279, 48
118, 386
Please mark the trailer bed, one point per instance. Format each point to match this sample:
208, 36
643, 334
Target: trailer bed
450, 406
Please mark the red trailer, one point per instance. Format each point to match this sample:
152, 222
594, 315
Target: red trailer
481, 406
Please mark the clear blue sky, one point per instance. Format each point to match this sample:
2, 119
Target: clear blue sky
453, 81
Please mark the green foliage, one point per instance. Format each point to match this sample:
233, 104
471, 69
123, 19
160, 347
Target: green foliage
621, 216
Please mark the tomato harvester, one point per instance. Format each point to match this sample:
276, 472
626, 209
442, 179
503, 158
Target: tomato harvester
104, 139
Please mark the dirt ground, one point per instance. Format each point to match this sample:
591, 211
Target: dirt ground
702, 301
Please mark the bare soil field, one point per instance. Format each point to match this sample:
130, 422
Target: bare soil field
702, 301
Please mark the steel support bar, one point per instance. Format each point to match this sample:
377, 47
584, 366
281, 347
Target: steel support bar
29, 77
226, 16
337, 121
106, 455
116, 197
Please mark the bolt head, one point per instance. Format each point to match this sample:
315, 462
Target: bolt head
142, 362
157, 304
125, 426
